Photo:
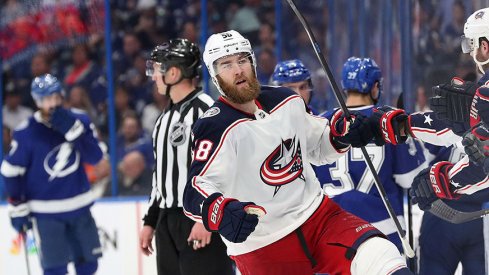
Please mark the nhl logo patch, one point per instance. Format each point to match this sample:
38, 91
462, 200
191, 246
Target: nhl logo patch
211, 112
177, 134
479, 15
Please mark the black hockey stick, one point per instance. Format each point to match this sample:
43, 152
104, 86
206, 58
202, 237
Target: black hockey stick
445, 212
412, 262
401, 232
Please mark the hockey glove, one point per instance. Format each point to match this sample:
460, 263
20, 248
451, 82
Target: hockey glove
479, 109
451, 103
355, 132
386, 123
432, 184
64, 122
19, 216
476, 145
228, 217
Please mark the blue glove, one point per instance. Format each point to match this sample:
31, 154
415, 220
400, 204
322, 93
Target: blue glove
431, 184
64, 122
19, 216
476, 145
228, 217
356, 133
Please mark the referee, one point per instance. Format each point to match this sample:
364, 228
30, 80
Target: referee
183, 246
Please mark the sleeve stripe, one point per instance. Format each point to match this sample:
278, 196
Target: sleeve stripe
431, 131
192, 216
8, 170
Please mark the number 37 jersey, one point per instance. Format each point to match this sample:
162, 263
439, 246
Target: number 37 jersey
351, 184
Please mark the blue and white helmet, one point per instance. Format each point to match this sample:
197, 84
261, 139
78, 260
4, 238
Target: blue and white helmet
290, 71
45, 85
361, 74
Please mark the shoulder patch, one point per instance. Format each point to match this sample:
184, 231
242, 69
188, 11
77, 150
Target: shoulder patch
211, 112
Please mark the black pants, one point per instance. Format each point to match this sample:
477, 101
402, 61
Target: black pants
175, 257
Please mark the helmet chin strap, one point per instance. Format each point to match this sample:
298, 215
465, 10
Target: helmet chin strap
479, 63
169, 86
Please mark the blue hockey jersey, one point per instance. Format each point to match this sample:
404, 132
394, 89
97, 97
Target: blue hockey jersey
352, 186
45, 171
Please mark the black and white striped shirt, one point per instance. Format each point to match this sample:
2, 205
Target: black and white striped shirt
172, 147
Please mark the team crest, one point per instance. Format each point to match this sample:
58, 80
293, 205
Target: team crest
61, 161
177, 134
283, 165
211, 112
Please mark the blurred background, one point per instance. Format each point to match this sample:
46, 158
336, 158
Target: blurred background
98, 49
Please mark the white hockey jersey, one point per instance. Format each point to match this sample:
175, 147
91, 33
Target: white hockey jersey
264, 158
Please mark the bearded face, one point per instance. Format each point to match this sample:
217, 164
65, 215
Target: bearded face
241, 89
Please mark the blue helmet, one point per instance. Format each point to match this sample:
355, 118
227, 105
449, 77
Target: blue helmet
361, 74
45, 85
290, 71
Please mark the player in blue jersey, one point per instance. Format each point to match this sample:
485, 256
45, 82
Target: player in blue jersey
348, 181
251, 178
46, 183
295, 76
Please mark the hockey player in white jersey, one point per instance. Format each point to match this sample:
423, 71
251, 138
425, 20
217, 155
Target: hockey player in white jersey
47, 185
253, 151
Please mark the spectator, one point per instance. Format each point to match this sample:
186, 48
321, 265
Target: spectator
134, 156
13, 112
266, 64
152, 111
78, 99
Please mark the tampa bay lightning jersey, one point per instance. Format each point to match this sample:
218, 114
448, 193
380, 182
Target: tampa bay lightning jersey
46, 171
264, 158
351, 184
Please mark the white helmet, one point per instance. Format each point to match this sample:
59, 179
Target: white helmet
476, 26
223, 44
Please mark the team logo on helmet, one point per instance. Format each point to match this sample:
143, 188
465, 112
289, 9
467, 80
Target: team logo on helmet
177, 134
479, 15
283, 165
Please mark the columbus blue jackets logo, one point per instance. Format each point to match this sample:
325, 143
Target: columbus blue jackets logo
177, 134
283, 165
61, 161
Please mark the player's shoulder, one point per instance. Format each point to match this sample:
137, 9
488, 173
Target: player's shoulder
273, 96
205, 99
214, 122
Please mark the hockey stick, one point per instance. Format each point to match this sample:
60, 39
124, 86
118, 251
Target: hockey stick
26, 252
402, 233
445, 212
412, 262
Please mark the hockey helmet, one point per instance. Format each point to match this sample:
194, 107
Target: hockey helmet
361, 74
476, 27
224, 44
290, 71
179, 53
45, 85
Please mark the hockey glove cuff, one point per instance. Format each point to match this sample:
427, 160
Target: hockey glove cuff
228, 217
64, 122
432, 184
354, 131
387, 123
479, 109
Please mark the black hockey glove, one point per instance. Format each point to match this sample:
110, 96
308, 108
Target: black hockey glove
64, 122
479, 109
451, 103
355, 132
431, 184
386, 123
476, 145
229, 217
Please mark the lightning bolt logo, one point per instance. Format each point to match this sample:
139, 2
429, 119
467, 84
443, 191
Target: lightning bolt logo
62, 155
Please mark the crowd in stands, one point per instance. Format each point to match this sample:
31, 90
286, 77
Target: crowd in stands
139, 25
